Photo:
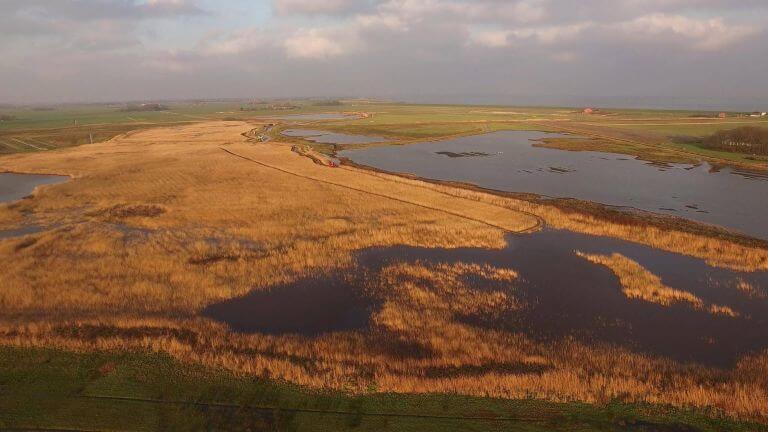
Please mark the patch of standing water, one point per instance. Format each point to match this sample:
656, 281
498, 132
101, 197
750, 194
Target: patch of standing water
308, 307
4, 234
16, 186
721, 197
564, 296
324, 137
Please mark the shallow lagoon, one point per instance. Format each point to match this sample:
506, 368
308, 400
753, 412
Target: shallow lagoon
509, 161
324, 137
17, 186
565, 296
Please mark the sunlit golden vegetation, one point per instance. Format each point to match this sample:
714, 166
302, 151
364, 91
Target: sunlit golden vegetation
638, 283
715, 249
157, 225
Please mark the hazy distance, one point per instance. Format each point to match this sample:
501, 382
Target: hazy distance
703, 54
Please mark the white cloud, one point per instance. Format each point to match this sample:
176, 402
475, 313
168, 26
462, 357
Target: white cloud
491, 38
701, 34
235, 43
404, 47
313, 44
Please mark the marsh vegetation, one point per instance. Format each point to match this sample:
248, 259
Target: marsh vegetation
515, 162
199, 243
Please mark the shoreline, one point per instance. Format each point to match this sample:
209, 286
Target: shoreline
605, 212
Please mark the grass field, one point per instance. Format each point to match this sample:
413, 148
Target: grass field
648, 134
48, 389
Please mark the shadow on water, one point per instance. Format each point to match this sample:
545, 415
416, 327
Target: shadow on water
308, 307
564, 296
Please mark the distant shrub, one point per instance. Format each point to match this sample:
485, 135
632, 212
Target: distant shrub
747, 139
327, 103
269, 107
686, 139
144, 107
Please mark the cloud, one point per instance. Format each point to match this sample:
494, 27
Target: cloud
319, 7
491, 38
394, 48
520, 11
313, 44
701, 34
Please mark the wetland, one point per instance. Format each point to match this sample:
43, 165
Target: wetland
510, 161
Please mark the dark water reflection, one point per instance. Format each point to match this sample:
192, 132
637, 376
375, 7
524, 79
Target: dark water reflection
307, 307
565, 296
510, 162
324, 137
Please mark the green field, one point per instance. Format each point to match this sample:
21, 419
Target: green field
52, 390
648, 134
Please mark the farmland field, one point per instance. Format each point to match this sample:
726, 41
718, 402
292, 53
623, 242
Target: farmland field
197, 268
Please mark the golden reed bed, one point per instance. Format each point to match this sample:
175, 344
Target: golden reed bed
156, 225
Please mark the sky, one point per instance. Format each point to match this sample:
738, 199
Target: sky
656, 53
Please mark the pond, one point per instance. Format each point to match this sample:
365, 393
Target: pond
309, 307
565, 296
568, 296
16, 186
509, 161
324, 137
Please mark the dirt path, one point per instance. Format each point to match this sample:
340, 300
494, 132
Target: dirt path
499, 216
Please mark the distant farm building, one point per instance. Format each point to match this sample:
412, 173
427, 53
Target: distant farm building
589, 110
722, 115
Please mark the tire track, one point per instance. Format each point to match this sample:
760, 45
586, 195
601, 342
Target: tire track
540, 223
306, 177
272, 409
